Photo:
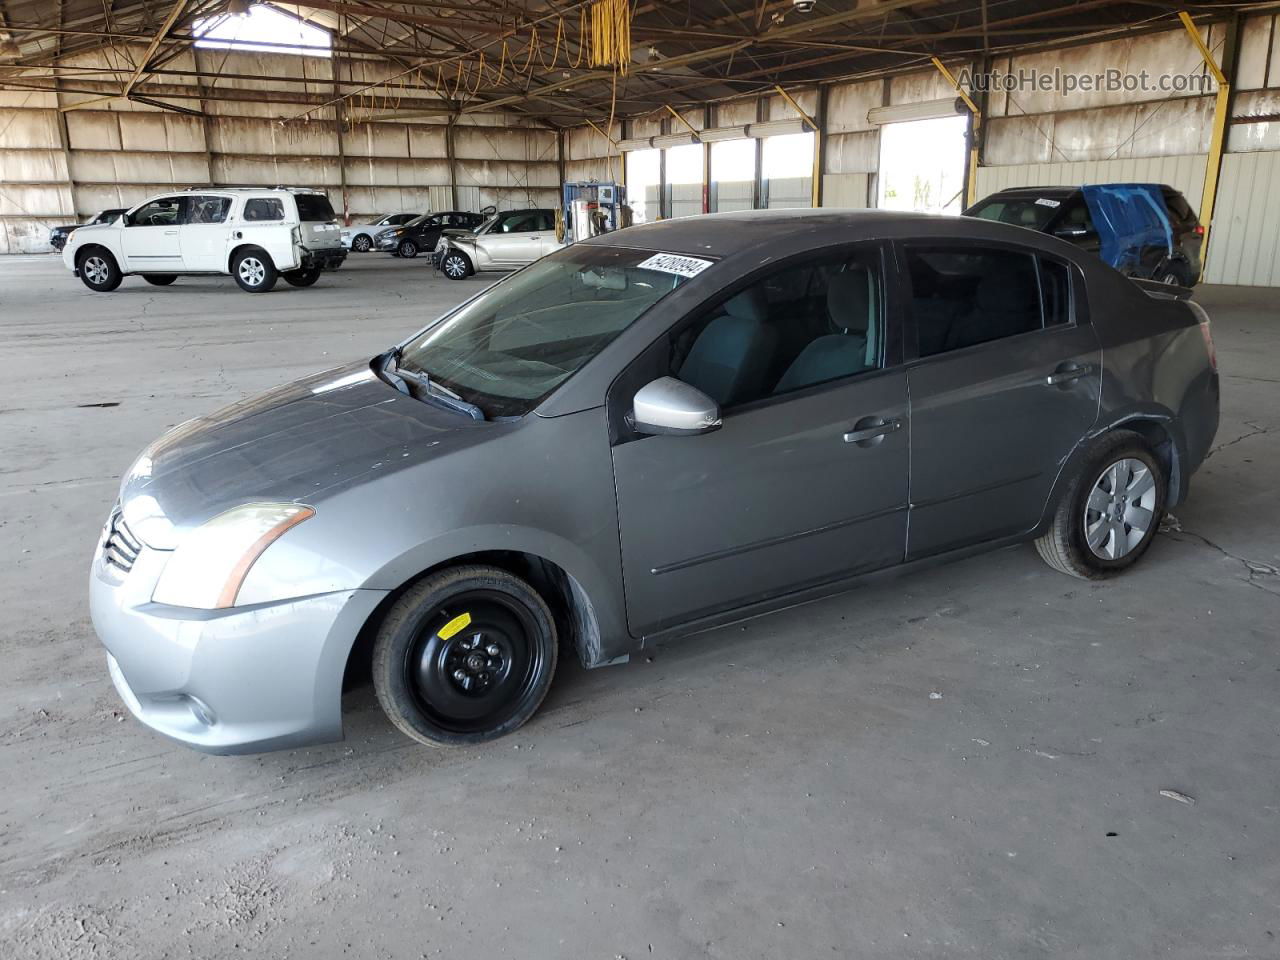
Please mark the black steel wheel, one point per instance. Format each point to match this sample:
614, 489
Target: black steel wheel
464, 656
362, 243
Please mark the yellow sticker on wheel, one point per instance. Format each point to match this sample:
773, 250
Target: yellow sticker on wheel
460, 622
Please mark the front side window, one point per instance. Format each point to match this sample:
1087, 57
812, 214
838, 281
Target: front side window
208, 209
400, 219
163, 212
263, 208
807, 323
511, 346
965, 295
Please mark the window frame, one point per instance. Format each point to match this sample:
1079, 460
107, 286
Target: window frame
910, 329
653, 361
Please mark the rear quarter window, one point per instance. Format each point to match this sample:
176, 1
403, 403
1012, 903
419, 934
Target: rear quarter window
259, 209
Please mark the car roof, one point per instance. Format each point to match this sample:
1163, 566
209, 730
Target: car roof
776, 232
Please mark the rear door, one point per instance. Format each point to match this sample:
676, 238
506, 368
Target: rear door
204, 237
150, 240
514, 239
805, 482
1005, 381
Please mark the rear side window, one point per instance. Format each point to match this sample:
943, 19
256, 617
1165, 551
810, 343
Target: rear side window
209, 209
964, 296
314, 208
263, 208
1033, 212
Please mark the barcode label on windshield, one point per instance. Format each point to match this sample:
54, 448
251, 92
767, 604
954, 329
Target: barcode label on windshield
674, 263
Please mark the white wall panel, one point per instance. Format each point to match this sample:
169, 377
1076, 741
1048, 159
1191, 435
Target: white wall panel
846, 190
784, 192
733, 195
1243, 245
1186, 173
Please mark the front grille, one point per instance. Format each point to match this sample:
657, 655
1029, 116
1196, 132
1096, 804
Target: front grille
120, 548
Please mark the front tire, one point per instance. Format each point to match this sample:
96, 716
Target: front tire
1110, 512
99, 271
362, 243
466, 655
254, 270
301, 278
159, 279
456, 265
407, 249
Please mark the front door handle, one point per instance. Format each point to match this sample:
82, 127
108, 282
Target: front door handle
171, 233
871, 430
1066, 373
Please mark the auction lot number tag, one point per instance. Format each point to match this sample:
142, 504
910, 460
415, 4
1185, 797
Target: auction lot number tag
674, 263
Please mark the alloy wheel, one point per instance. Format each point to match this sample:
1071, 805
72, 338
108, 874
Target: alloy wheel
1120, 510
96, 270
361, 244
252, 271
454, 266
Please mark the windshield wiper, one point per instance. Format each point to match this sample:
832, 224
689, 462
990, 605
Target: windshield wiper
442, 395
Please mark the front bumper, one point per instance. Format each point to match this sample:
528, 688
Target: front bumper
386, 242
329, 258
243, 680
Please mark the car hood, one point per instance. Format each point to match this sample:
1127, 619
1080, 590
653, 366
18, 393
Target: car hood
305, 441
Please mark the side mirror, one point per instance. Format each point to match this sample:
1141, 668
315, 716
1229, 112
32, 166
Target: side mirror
1071, 232
672, 407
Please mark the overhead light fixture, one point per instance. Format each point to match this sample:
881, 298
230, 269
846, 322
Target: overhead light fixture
238, 8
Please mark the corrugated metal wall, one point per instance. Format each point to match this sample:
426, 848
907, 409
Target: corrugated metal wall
117, 153
1244, 245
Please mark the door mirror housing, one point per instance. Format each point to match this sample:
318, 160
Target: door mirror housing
674, 408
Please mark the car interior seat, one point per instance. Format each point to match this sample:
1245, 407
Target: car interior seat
851, 309
1005, 300
729, 360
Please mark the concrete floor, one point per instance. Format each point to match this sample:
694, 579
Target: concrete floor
964, 762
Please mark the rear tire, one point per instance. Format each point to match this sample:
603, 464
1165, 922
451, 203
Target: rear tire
456, 265
1173, 273
301, 278
464, 656
253, 270
99, 270
407, 249
159, 279
1110, 512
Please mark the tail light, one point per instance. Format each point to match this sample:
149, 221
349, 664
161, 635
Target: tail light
1203, 320
1199, 230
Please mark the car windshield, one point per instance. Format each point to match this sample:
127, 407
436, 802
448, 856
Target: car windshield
511, 346
314, 208
1033, 212
426, 220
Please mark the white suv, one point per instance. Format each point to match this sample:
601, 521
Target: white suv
253, 234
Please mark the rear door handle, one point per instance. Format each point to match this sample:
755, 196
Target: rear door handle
171, 233
1066, 373
871, 430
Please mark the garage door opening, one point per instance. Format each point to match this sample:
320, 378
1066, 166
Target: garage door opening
922, 165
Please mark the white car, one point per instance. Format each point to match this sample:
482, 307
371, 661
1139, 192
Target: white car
360, 236
253, 234
506, 241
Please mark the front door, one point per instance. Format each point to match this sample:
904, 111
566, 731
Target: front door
514, 239
1006, 382
805, 482
150, 240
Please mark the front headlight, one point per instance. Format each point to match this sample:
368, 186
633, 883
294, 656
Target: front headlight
211, 563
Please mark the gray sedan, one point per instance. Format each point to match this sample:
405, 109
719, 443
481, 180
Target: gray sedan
641, 436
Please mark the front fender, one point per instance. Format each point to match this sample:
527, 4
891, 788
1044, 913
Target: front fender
599, 587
